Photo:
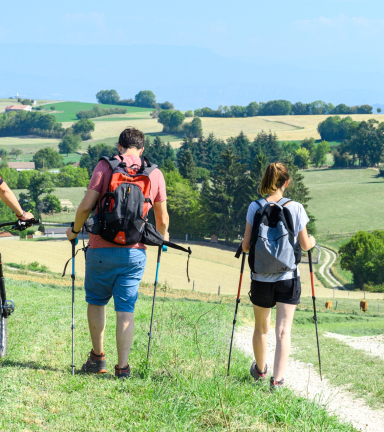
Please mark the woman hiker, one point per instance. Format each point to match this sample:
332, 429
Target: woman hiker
280, 289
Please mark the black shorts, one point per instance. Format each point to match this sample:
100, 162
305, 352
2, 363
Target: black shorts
267, 294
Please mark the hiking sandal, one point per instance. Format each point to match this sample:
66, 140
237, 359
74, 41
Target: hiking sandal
122, 372
276, 385
95, 364
257, 373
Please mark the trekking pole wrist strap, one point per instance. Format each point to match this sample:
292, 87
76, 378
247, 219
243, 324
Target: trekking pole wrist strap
75, 232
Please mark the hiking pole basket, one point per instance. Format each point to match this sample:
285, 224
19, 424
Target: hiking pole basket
153, 302
238, 253
314, 309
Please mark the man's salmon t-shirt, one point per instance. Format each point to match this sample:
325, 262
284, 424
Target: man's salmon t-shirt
99, 183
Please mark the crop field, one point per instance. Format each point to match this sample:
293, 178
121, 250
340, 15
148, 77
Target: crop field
342, 199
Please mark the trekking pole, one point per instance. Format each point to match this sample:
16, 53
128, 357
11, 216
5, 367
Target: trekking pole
73, 243
238, 253
154, 299
314, 308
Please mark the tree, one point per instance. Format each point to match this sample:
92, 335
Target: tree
70, 176
310, 145
289, 147
252, 109
268, 144
16, 152
53, 108
302, 158
188, 113
9, 175
145, 99
69, 144
171, 120
194, 128
39, 184
158, 152
378, 110
91, 158
107, 97
276, 107
47, 158
241, 147
320, 157
363, 255
24, 178
187, 167
300, 108
51, 204
84, 127
166, 105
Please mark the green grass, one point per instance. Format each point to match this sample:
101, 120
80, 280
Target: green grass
341, 199
164, 137
108, 119
71, 108
184, 389
341, 364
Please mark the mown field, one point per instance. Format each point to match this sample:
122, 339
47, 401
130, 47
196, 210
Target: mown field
345, 200
74, 194
185, 387
71, 108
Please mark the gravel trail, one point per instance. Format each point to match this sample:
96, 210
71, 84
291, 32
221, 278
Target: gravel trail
325, 269
306, 382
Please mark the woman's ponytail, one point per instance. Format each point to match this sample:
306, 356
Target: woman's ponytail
275, 176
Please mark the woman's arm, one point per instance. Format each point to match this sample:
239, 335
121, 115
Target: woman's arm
247, 237
306, 242
8, 197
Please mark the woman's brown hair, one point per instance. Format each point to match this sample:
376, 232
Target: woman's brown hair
275, 176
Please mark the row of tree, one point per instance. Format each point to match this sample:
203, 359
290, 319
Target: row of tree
98, 111
143, 99
69, 176
282, 107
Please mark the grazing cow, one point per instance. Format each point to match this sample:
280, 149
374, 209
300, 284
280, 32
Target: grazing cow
363, 305
328, 304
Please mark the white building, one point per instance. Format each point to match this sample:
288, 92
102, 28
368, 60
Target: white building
10, 108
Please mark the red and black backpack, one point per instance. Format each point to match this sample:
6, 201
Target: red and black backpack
122, 212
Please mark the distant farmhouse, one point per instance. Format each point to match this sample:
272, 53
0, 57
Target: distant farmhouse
10, 108
21, 166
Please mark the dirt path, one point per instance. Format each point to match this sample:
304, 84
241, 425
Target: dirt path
306, 382
325, 269
372, 345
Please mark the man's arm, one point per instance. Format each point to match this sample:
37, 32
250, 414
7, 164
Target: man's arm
162, 218
8, 197
83, 212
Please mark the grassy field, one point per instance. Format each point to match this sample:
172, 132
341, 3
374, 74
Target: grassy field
74, 194
185, 387
339, 198
71, 108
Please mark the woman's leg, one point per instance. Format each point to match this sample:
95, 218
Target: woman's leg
260, 334
284, 318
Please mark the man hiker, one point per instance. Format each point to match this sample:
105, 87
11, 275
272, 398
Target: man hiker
113, 269
8, 198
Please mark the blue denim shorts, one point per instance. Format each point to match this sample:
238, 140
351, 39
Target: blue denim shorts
114, 272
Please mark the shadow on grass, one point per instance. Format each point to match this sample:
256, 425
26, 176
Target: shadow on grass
29, 365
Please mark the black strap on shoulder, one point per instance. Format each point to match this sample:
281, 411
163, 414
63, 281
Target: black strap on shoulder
112, 161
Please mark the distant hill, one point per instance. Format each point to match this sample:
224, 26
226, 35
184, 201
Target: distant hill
188, 76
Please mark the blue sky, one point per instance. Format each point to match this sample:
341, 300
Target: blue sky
341, 36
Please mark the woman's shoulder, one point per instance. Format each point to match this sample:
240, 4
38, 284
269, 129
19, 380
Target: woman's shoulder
295, 207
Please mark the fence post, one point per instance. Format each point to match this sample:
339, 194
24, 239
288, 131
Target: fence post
364, 294
336, 304
218, 291
193, 286
348, 294
333, 292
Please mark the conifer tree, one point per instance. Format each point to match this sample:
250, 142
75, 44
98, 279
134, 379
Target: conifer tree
187, 167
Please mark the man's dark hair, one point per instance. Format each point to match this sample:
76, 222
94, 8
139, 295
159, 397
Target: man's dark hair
132, 137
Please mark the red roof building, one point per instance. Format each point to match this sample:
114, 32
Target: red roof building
10, 108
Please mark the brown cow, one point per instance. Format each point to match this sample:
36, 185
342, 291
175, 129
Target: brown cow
328, 304
363, 306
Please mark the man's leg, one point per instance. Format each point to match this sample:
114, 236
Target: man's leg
124, 335
96, 322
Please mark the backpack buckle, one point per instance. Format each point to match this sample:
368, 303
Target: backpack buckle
122, 164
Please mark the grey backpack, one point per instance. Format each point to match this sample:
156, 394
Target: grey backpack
273, 249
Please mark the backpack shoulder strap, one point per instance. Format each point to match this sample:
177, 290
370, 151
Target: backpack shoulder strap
284, 201
262, 202
112, 161
146, 165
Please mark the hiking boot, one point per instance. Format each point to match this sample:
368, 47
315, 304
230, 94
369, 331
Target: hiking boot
276, 385
257, 373
95, 364
122, 372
